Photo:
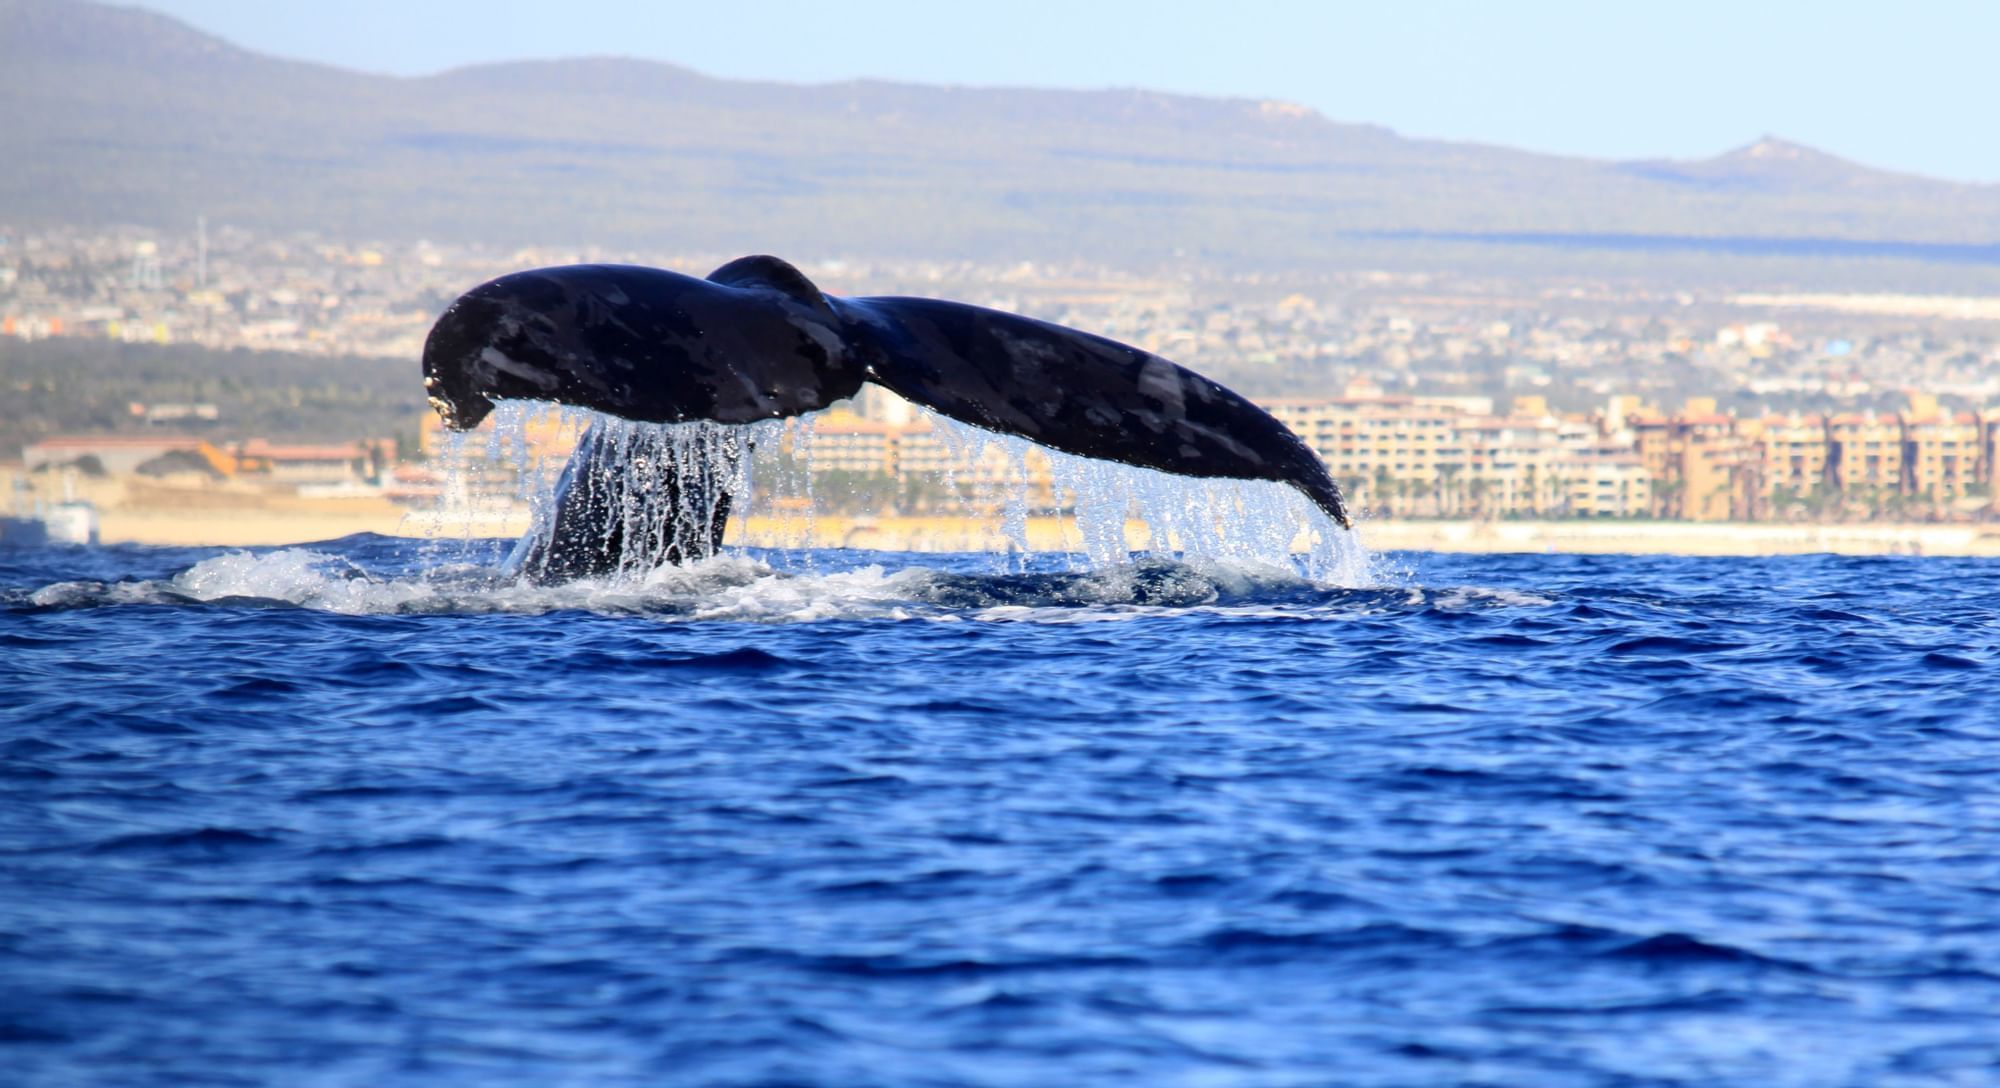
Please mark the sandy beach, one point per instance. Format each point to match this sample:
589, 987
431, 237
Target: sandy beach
144, 512
139, 511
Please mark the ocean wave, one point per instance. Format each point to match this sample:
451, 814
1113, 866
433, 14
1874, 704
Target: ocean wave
767, 588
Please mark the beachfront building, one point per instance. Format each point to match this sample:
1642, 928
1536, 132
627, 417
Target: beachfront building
845, 442
1402, 454
1942, 459
1865, 452
186, 460
1794, 450
300, 464
1456, 457
1602, 481
1702, 466
929, 460
1510, 462
543, 435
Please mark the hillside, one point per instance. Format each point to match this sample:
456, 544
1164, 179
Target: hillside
70, 385
123, 116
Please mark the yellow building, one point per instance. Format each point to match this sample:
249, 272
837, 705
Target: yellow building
548, 432
1794, 451
845, 442
1700, 467
959, 462
1865, 453
1602, 481
1942, 459
1390, 451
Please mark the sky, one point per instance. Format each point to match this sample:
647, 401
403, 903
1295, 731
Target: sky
1906, 87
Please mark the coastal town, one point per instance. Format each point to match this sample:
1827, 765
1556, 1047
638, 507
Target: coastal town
1429, 396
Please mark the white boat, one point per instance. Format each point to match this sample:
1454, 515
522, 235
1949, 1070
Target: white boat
34, 524
71, 523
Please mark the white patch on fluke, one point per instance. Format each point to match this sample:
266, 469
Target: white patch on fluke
493, 361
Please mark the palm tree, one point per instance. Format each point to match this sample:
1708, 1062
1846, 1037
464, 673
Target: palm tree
1448, 490
1479, 489
1785, 499
1384, 491
1667, 498
1420, 490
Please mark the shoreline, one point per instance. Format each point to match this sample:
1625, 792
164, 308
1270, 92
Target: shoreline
325, 520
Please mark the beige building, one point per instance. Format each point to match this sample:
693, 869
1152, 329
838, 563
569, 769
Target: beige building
327, 463
1509, 464
1701, 466
968, 462
1865, 453
1364, 439
1603, 481
844, 442
1454, 457
961, 462
1794, 452
1942, 453
1407, 455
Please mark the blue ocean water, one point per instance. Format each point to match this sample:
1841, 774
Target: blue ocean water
356, 814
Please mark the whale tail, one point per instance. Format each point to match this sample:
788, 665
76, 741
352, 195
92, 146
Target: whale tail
757, 340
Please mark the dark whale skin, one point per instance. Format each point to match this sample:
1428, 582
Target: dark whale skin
757, 340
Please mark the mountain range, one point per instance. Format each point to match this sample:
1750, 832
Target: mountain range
117, 115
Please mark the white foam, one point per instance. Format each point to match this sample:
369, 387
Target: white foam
310, 579
83, 594
730, 587
1463, 597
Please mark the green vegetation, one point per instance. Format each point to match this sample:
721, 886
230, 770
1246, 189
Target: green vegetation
71, 385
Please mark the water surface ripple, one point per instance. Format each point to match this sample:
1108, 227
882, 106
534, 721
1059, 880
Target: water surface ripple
314, 817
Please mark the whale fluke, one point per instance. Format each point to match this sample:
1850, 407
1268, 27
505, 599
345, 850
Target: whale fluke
758, 340
1076, 392
642, 344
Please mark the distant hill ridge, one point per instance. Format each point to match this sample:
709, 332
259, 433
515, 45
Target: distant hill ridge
119, 115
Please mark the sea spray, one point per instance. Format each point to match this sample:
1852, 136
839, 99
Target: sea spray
386, 576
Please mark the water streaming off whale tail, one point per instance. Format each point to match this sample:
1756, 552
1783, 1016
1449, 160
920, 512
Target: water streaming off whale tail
660, 485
